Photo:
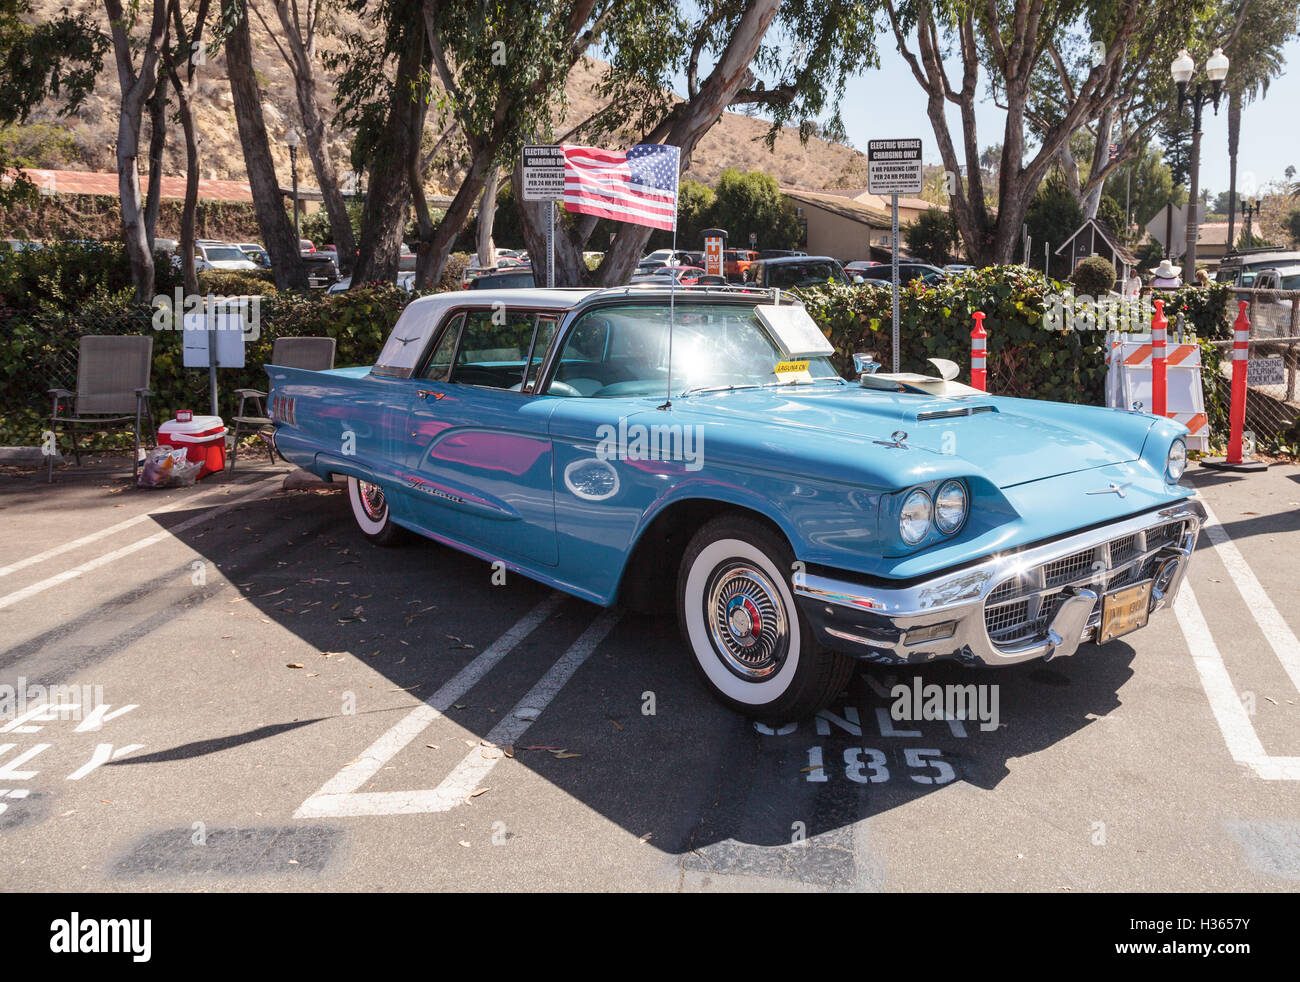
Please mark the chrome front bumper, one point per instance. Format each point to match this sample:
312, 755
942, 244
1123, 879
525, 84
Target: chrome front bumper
1039, 602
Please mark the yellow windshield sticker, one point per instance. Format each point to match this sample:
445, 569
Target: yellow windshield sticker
788, 370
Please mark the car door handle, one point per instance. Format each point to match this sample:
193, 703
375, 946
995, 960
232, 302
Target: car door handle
425, 393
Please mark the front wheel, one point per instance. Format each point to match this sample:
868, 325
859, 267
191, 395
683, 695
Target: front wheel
751, 642
370, 509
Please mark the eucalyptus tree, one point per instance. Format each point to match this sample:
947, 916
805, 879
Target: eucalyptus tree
1052, 66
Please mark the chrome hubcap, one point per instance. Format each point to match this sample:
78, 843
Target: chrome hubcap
746, 621
372, 500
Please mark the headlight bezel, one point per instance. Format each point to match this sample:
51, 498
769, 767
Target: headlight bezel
965, 506
929, 517
1170, 476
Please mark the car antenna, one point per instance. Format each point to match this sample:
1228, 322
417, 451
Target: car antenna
672, 287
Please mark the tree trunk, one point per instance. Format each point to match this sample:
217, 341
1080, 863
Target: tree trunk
431, 258
487, 214
187, 42
135, 87
570, 269
277, 230
1234, 138
157, 140
683, 127
388, 197
1091, 198
316, 134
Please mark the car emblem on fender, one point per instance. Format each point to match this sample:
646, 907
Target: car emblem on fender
895, 439
1112, 487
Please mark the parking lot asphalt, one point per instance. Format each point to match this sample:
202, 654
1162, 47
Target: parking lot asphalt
279, 705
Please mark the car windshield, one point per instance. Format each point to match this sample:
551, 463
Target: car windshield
224, 253
804, 274
1290, 279
622, 352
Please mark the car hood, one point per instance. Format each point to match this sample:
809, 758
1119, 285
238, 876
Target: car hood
1012, 441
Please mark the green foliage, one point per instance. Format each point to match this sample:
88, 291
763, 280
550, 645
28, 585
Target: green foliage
933, 237
41, 346
1094, 276
1053, 216
1149, 254
237, 283
65, 274
1027, 357
56, 58
1111, 214
752, 202
1292, 225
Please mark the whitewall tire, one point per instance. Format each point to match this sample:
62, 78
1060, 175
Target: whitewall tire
748, 637
370, 509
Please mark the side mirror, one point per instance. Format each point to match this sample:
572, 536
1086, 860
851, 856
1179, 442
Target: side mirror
858, 279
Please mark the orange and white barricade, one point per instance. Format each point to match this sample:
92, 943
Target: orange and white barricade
1129, 381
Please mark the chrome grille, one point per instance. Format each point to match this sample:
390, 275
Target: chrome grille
1020, 609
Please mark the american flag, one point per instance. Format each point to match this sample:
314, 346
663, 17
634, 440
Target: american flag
638, 186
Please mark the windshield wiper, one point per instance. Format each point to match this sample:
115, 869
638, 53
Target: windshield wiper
718, 388
805, 381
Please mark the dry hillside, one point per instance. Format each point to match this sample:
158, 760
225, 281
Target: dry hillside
736, 141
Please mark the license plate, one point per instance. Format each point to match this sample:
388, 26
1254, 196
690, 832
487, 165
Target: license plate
1123, 611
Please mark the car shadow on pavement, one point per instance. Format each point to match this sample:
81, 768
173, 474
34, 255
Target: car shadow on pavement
632, 734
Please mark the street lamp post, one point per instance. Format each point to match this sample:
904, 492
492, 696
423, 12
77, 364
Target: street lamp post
1249, 210
1182, 69
291, 138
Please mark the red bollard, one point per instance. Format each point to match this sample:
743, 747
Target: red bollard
978, 345
1234, 461
1159, 373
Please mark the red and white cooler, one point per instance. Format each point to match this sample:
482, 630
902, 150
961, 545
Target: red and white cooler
202, 437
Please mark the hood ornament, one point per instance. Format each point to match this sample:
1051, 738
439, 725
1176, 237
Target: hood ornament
1113, 488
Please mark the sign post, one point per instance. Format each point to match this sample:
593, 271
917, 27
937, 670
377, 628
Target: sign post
544, 181
894, 168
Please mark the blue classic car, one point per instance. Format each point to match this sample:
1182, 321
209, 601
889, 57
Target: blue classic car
797, 520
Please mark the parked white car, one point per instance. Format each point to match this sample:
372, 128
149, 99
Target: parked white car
224, 256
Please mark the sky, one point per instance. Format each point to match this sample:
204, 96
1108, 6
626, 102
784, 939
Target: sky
1270, 138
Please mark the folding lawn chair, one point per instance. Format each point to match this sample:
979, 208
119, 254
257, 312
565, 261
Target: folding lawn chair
313, 354
112, 389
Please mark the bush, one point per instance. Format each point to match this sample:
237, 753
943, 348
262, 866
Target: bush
1028, 356
932, 238
65, 274
237, 283
40, 351
1094, 276
453, 271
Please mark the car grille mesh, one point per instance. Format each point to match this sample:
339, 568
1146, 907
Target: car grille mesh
1020, 609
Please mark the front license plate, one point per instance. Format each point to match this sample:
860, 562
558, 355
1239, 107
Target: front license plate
1123, 611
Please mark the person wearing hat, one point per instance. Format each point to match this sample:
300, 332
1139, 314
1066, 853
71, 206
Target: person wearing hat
1166, 276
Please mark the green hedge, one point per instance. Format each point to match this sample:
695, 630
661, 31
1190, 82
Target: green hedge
40, 351
1030, 353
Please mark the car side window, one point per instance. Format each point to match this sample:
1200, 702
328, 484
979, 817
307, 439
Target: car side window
438, 367
541, 341
494, 346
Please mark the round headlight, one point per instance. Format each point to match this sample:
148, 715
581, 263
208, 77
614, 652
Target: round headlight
914, 519
950, 507
1176, 463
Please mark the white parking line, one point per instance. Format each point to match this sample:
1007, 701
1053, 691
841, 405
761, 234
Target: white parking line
467, 776
1242, 740
210, 512
1277, 632
1225, 703
86, 540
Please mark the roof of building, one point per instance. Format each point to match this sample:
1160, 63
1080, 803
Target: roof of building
840, 205
1102, 229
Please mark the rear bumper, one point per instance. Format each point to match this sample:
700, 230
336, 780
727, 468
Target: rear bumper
1040, 602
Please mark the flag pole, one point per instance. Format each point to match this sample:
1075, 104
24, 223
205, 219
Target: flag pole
672, 289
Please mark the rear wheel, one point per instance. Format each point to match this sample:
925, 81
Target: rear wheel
752, 644
370, 509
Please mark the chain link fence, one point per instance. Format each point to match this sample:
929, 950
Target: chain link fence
1272, 393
